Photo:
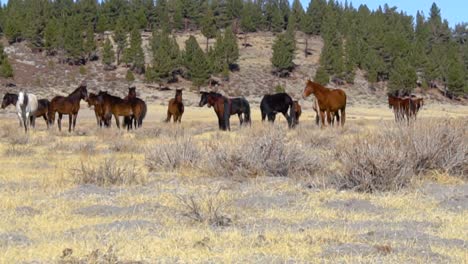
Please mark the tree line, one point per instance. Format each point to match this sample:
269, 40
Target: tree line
388, 45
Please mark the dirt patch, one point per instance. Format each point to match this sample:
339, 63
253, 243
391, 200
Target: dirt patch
454, 198
416, 237
26, 211
268, 202
109, 210
89, 190
355, 205
13, 239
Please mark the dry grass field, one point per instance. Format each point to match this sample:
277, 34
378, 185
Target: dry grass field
373, 192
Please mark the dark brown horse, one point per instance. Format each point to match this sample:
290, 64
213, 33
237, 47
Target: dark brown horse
41, 111
69, 105
141, 108
116, 106
329, 101
175, 107
416, 105
405, 107
98, 110
220, 105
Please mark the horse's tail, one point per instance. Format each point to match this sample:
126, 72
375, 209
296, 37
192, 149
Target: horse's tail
143, 114
227, 114
247, 112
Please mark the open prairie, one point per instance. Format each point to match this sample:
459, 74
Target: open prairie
371, 192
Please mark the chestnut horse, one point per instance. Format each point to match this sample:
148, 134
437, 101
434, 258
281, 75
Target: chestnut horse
329, 101
175, 107
69, 105
220, 105
116, 106
98, 110
42, 108
405, 108
297, 110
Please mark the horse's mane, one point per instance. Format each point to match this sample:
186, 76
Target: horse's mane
316, 85
77, 90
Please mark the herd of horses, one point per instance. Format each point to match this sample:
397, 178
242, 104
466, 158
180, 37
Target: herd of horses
329, 106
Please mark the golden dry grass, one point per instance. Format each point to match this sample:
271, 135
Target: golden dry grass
271, 219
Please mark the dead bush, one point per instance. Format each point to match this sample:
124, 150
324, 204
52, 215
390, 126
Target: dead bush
176, 153
204, 210
375, 163
124, 145
19, 150
108, 172
387, 160
18, 138
268, 153
440, 145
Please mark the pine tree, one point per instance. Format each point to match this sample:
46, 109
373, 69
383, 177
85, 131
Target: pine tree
108, 55
402, 78
6, 71
248, 20
90, 43
73, 40
196, 62
208, 26
120, 38
296, 16
162, 17
129, 76
230, 47
321, 76
166, 57
234, 8
51, 36
283, 52
134, 53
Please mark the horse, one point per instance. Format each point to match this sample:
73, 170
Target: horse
297, 111
316, 109
401, 107
42, 108
238, 105
98, 110
220, 105
25, 107
272, 104
175, 108
416, 105
69, 105
130, 121
328, 100
116, 106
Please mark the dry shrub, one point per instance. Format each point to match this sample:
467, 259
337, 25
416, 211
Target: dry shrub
256, 154
108, 172
176, 153
19, 150
316, 137
124, 145
440, 145
7, 131
375, 163
145, 133
88, 147
18, 138
204, 210
387, 160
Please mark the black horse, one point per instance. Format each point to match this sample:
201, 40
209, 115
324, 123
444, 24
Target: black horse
238, 105
272, 104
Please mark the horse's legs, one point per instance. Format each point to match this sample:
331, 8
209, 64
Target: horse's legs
117, 121
74, 120
169, 115
46, 120
70, 122
322, 118
20, 118
343, 116
329, 120
263, 116
59, 121
240, 119
33, 121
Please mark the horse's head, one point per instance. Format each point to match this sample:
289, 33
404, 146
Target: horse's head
203, 99
132, 92
9, 99
83, 92
92, 99
308, 90
178, 95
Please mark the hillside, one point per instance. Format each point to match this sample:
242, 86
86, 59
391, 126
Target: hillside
45, 76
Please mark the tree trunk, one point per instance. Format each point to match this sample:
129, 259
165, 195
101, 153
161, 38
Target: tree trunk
306, 53
186, 23
207, 40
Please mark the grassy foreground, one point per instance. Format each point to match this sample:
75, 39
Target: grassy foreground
188, 193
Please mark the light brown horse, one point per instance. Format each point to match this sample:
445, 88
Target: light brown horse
405, 108
329, 101
175, 107
69, 105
